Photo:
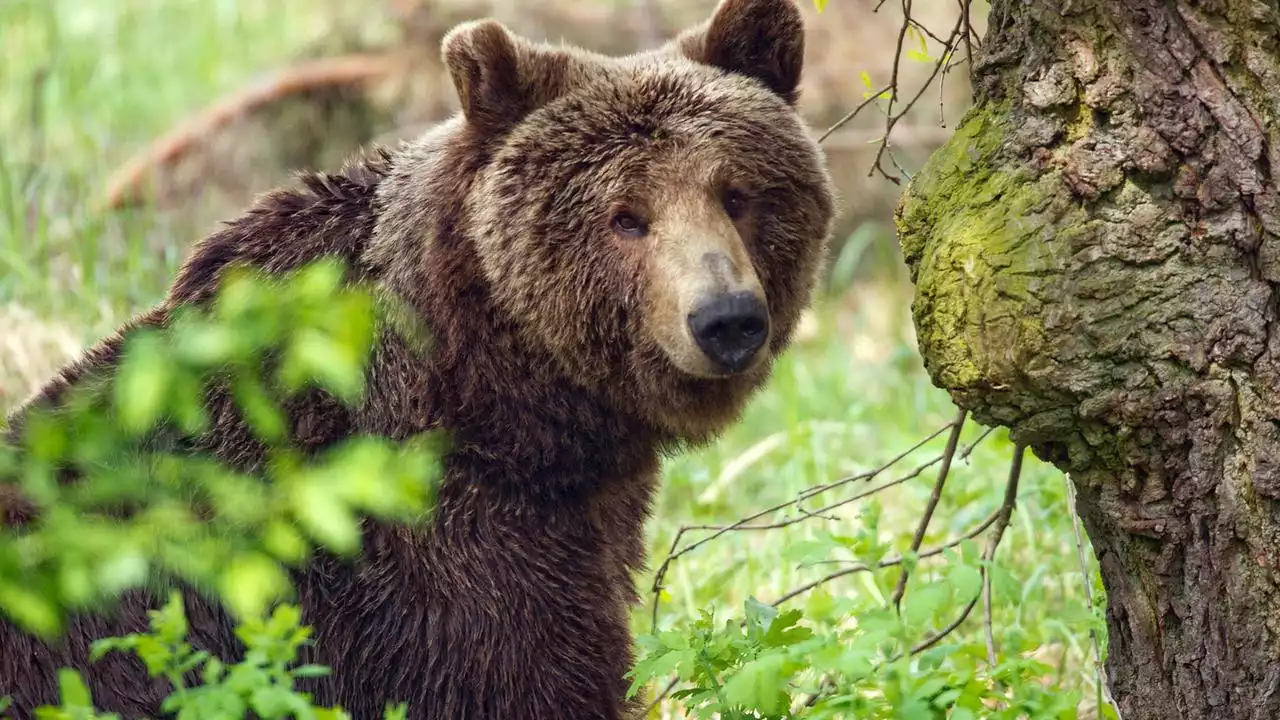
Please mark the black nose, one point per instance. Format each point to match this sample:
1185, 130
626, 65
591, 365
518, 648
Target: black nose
730, 328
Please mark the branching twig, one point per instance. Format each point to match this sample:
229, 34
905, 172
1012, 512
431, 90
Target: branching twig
895, 110
957, 426
849, 116
892, 118
123, 185
676, 552
999, 519
1002, 522
745, 524
891, 561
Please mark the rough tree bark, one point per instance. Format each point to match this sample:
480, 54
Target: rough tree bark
1097, 258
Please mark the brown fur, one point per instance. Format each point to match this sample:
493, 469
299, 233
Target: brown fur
555, 362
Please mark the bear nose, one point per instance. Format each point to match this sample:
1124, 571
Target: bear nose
730, 328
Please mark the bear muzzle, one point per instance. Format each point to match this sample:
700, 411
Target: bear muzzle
730, 328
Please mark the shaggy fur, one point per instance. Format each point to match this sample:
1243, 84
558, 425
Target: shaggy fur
559, 363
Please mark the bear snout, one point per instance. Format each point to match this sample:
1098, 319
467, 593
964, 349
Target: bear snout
730, 328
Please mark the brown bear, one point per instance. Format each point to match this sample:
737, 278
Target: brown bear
608, 253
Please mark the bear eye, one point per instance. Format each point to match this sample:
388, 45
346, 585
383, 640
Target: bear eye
735, 204
627, 224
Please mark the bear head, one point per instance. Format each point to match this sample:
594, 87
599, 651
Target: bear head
656, 222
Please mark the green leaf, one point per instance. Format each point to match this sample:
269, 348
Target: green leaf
264, 416
922, 603
652, 667
285, 542
169, 623
125, 570
72, 690
966, 582
272, 702
251, 583
315, 357
783, 630
760, 685
30, 609
142, 383
326, 518
759, 615
921, 55
820, 604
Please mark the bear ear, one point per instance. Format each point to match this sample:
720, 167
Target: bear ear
762, 39
498, 77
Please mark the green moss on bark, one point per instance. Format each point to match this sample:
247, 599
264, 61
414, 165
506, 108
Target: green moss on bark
978, 237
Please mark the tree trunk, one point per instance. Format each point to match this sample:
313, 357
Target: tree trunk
1096, 256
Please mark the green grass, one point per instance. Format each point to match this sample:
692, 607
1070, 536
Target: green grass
85, 83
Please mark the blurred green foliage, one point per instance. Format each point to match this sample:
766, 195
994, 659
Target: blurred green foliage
146, 506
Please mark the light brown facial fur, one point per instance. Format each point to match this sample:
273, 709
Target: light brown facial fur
654, 222
697, 262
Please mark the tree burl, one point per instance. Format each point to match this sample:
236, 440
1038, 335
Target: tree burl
1096, 255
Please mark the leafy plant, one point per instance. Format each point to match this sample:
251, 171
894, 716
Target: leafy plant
261, 683
149, 505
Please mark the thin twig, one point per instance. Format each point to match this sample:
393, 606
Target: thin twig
892, 117
944, 632
929, 33
657, 699
1002, 523
676, 552
982, 527
742, 525
957, 426
891, 561
988, 620
897, 57
1000, 519
968, 31
849, 116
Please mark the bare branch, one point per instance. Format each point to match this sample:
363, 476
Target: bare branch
961, 33
928, 33
892, 561
893, 118
849, 116
999, 519
988, 620
970, 37
957, 427
1002, 523
744, 524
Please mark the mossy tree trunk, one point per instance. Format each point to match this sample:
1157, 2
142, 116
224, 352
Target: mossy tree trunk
1097, 256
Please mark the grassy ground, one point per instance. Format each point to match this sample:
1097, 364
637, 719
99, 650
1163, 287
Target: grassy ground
84, 83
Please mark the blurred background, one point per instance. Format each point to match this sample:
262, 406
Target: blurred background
129, 128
